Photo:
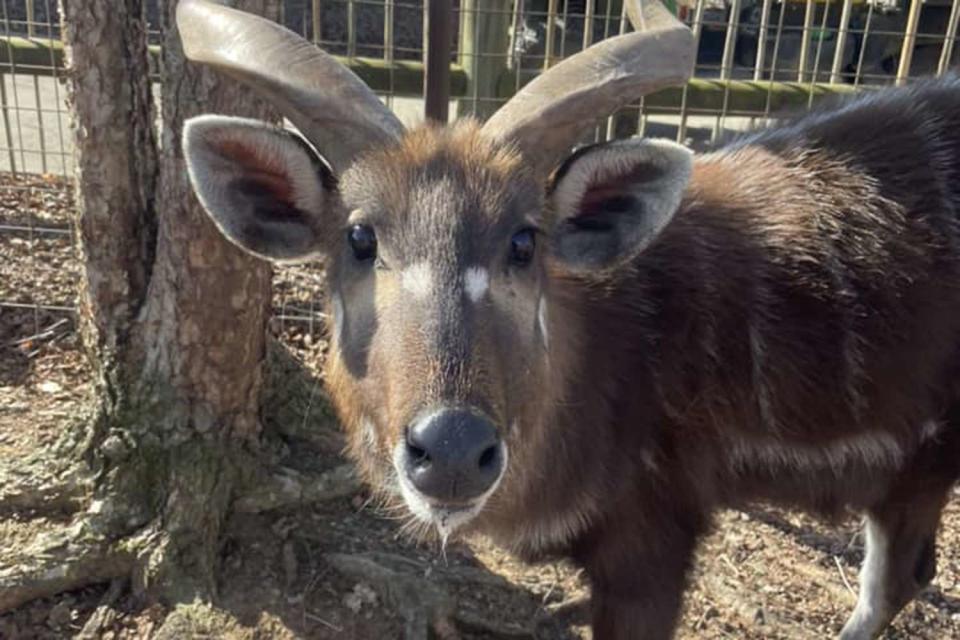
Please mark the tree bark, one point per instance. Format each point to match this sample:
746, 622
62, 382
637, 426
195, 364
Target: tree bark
173, 316
116, 164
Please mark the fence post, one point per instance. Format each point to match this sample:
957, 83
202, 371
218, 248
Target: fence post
31, 18
5, 109
948, 39
842, 31
315, 24
436, 84
483, 54
805, 40
909, 40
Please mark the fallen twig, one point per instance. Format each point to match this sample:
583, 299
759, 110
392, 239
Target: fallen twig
43, 335
316, 618
843, 576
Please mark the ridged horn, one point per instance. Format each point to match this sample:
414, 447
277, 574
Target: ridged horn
545, 118
327, 102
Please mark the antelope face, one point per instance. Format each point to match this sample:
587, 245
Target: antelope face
439, 331
441, 244
442, 253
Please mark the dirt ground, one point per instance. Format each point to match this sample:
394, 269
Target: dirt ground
338, 568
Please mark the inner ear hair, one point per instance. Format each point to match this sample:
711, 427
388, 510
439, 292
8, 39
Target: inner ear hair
648, 170
328, 178
266, 188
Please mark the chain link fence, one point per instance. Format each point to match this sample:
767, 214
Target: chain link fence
755, 58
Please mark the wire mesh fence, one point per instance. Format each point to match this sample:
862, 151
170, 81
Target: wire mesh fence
755, 58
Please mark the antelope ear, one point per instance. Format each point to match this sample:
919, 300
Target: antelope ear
611, 200
264, 187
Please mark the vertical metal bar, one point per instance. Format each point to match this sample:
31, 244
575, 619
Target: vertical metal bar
41, 132
4, 102
842, 31
315, 21
611, 129
563, 32
697, 30
513, 48
857, 76
516, 22
471, 49
762, 40
642, 116
773, 64
388, 44
16, 95
949, 39
56, 96
588, 12
351, 29
5, 108
388, 39
909, 40
805, 40
816, 61
726, 64
483, 52
730, 44
31, 16
439, 27
551, 33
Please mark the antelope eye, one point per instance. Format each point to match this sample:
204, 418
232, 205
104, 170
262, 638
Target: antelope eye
522, 246
363, 242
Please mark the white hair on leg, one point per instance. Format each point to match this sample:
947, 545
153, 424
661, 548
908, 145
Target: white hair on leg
872, 612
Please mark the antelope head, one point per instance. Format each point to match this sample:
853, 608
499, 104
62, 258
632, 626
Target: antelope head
442, 244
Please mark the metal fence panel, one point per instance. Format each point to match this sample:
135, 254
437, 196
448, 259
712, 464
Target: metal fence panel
755, 58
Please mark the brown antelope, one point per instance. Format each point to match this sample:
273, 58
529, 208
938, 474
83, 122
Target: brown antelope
587, 354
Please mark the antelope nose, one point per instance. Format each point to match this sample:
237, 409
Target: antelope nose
453, 455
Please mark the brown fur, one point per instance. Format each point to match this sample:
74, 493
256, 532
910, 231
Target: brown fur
786, 338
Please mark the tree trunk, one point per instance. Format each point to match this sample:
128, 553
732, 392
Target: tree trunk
199, 348
173, 316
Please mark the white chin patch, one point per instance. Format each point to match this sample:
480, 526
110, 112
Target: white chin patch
444, 517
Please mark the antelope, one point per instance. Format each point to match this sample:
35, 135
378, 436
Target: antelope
586, 353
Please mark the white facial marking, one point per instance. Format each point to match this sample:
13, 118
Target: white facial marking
542, 321
337, 302
418, 279
872, 612
369, 432
476, 281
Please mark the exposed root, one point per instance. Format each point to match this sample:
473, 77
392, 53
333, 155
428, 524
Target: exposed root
399, 581
43, 487
430, 605
287, 487
104, 615
575, 611
60, 561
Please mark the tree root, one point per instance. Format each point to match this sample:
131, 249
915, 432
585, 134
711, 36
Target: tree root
59, 561
43, 488
430, 605
104, 615
287, 488
100, 546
